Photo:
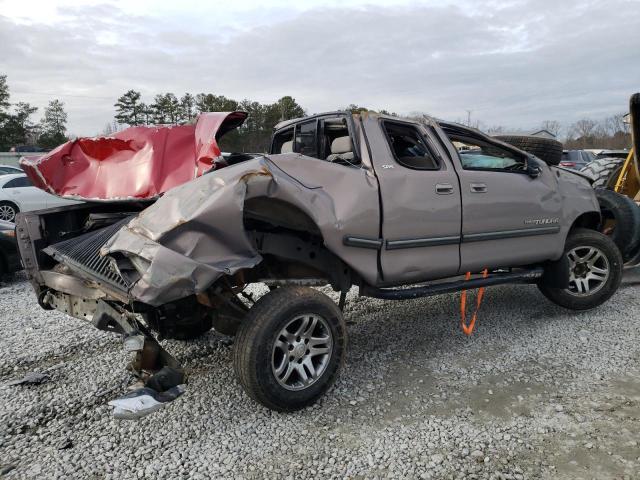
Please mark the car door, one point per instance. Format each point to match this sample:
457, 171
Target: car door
420, 198
510, 216
19, 191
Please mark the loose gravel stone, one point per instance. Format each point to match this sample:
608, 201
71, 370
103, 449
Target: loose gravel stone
410, 402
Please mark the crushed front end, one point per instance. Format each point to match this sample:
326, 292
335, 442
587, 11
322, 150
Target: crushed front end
60, 251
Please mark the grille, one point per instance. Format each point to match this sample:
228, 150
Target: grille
83, 253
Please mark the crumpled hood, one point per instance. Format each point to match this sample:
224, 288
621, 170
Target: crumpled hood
134, 164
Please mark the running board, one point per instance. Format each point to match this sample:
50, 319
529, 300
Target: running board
525, 276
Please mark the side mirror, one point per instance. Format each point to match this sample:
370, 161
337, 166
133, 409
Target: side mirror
533, 168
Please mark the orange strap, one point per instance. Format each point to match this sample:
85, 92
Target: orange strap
468, 329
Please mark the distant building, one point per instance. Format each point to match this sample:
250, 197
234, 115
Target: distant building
543, 133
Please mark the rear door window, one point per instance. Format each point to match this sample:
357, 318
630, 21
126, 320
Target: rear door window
306, 141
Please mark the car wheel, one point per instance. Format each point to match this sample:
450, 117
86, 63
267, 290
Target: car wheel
595, 271
290, 348
8, 211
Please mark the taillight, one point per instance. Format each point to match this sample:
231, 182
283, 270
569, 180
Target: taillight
567, 164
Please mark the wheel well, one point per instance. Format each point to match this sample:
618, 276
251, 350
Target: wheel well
590, 220
291, 243
9, 202
263, 213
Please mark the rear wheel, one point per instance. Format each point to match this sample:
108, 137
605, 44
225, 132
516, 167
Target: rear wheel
8, 211
290, 348
595, 271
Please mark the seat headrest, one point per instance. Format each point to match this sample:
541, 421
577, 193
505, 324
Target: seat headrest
287, 147
341, 145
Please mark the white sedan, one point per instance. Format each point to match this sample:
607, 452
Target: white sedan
17, 194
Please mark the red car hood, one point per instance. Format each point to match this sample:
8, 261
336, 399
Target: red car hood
136, 163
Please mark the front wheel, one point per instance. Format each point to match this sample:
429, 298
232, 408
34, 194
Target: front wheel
290, 347
595, 271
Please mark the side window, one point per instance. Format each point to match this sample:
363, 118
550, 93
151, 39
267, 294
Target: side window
306, 142
18, 182
478, 154
283, 142
409, 147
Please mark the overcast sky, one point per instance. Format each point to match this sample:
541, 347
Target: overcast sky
512, 62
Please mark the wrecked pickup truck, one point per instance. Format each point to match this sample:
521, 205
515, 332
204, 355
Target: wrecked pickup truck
399, 208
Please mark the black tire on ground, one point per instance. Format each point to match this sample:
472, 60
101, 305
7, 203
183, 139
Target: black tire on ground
546, 149
276, 339
8, 211
604, 171
579, 247
620, 221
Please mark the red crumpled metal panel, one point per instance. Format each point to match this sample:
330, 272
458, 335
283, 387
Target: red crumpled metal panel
136, 163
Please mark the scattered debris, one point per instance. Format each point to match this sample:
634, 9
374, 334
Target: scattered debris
65, 444
6, 469
31, 378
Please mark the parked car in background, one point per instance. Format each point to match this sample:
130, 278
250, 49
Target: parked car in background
27, 149
613, 154
5, 169
9, 256
576, 159
17, 194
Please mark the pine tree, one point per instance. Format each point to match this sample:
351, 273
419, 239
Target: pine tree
129, 109
54, 125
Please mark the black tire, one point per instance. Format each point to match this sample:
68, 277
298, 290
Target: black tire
620, 221
254, 356
5, 207
546, 149
579, 239
604, 171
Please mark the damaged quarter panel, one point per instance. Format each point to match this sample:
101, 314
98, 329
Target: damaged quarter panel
194, 233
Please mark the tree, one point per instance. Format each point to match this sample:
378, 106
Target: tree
187, 107
17, 128
54, 125
207, 102
4, 94
353, 108
288, 108
129, 108
166, 108
147, 113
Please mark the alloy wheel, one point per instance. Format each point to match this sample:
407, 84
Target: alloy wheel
588, 270
7, 213
302, 351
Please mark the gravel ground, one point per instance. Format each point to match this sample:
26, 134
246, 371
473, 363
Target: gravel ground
536, 392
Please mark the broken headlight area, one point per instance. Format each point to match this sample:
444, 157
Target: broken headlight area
130, 267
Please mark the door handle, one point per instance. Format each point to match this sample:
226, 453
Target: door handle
444, 188
478, 187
